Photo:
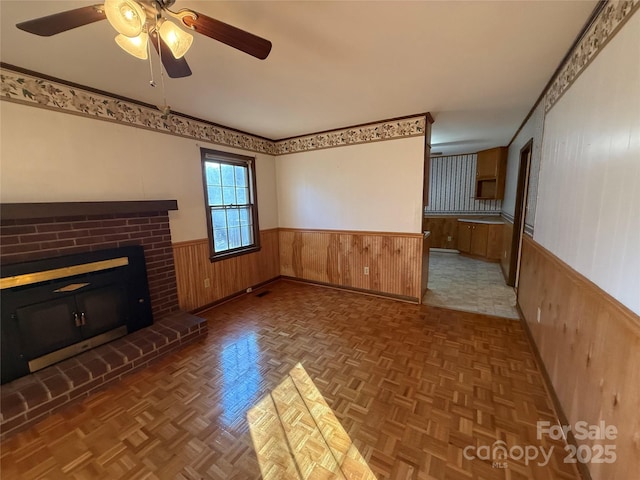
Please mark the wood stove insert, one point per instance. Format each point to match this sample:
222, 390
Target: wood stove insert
55, 308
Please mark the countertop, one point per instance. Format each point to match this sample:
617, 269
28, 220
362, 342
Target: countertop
491, 220
488, 219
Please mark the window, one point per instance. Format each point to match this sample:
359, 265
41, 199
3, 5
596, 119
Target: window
232, 210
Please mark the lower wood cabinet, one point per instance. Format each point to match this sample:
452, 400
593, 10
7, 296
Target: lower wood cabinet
480, 239
464, 237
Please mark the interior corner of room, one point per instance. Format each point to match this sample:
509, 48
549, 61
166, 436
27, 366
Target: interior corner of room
499, 181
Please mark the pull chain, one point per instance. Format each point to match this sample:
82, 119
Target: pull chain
165, 108
152, 81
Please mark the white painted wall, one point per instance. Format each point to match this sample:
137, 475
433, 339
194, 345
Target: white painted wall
588, 211
532, 129
46, 156
370, 187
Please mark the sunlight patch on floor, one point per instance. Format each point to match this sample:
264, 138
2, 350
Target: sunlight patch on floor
296, 435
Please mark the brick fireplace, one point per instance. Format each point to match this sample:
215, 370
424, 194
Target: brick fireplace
39, 231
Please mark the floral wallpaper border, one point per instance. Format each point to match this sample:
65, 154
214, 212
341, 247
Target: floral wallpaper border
37, 92
406, 127
30, 90
603, 29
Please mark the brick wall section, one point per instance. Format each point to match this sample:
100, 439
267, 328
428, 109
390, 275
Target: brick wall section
35, 239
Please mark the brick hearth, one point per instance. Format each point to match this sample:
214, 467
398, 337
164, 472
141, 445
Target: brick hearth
29, 399
37, 231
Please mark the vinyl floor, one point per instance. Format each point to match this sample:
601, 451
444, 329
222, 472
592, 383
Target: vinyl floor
463, 283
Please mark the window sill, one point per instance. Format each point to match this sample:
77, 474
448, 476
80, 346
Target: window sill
234, 253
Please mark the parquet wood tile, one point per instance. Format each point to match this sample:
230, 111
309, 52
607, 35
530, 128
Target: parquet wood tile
297, 436
411, 385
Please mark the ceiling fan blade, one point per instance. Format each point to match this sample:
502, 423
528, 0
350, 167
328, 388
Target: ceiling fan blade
175, 67
63, 21
225, 33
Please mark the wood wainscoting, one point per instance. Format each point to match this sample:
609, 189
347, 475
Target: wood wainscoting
590, 346
339, 258
225, 277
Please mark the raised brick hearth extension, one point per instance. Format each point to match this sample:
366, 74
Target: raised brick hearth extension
29, 399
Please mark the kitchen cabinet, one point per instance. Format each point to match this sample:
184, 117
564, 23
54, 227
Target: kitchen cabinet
444, 230
491, 172
495, 237
464, 237
480, 239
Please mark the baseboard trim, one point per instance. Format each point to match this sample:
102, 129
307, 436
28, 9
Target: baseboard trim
372, 293
479, 257
233, 296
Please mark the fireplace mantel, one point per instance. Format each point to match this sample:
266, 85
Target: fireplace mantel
19, 211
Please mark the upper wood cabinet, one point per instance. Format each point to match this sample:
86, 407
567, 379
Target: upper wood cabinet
491, 172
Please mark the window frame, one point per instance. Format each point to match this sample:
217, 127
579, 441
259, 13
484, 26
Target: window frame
209, 155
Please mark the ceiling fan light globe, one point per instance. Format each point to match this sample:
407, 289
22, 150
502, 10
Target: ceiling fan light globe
126, 16
136, 46
176, 39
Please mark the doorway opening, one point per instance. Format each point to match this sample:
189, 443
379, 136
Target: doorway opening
519, 217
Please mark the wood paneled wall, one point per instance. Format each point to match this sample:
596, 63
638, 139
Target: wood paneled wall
226, 277
590, 346
332, 257
339, 258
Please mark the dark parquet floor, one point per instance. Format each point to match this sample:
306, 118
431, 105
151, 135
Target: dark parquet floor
413, 386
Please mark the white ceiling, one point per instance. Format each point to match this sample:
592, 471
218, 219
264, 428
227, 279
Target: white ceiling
477, 66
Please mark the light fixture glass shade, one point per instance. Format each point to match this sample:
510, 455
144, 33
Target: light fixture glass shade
136, 46
126, 16
176, 39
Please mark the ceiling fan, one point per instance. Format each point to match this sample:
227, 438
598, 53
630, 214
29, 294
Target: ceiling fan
139, 22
